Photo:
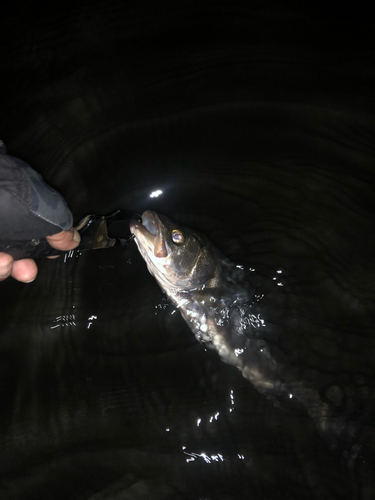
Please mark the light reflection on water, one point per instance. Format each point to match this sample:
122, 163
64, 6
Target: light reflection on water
208, 459
70, 320
64, 320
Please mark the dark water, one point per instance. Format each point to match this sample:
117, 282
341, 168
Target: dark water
257, 123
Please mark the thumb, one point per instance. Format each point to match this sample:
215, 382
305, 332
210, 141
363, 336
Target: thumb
65, 240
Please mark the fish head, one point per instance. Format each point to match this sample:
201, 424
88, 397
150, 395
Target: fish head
178, 257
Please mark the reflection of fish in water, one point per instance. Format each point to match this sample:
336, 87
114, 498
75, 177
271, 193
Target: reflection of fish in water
221, 308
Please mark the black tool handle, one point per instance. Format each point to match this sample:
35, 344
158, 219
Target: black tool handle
92, 228
26, 249
93, 231
34, 249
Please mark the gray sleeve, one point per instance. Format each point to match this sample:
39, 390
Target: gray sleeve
29, 208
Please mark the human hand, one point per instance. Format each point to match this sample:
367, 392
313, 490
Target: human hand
30, 209
26, 270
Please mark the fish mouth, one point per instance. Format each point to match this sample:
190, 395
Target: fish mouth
149, 233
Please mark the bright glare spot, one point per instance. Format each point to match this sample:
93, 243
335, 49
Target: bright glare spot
155, 194
231, 400
208, 459
290, 396
167, 430
204, 328
199, 421
280, 284
181, 303
241, 457
237, 352
69, 255
279, 272
91, 318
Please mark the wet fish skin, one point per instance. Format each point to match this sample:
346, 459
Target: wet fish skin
223, 310
212, 296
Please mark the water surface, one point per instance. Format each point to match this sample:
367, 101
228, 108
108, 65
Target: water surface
265, 144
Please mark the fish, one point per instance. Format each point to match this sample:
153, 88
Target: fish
224, 311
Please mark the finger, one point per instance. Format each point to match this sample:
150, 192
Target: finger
66, 240
24, 270
6, 263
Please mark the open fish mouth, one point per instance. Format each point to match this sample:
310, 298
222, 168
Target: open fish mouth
149, 233
149, 226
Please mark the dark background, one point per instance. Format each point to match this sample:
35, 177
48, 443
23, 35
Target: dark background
256, 120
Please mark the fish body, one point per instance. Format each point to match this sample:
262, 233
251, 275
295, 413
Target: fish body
222, 309
198, 279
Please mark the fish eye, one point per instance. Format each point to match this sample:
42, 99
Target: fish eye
178, 236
